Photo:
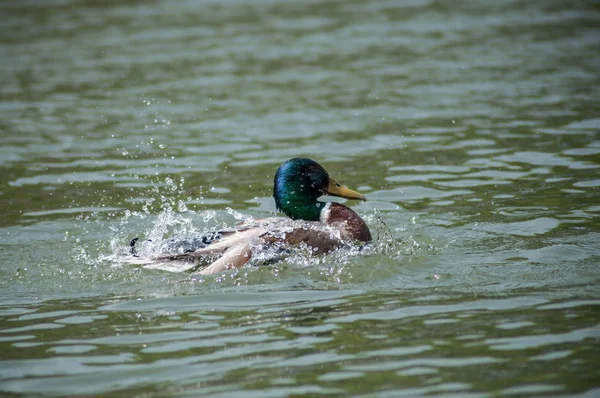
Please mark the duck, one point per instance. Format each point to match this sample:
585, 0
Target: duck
319, 226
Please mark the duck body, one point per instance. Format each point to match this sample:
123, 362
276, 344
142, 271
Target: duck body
322, 227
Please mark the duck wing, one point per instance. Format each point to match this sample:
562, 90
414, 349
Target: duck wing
233, 249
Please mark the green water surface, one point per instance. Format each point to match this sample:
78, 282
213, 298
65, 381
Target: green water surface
473, 127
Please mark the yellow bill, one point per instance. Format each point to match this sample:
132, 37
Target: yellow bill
336, 189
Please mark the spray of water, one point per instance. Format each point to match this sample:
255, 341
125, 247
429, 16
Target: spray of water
165, 224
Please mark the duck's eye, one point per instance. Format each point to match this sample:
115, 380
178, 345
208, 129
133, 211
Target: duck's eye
337, 185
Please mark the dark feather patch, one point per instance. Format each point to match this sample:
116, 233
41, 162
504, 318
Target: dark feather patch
319, 241
348, 222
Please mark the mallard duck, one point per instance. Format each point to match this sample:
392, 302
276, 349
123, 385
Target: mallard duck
321, 226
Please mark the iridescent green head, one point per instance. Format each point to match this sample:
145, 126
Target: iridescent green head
299, 182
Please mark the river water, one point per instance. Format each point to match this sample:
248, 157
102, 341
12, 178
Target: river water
472, 127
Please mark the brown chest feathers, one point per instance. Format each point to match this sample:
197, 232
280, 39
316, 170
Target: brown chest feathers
350, 225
